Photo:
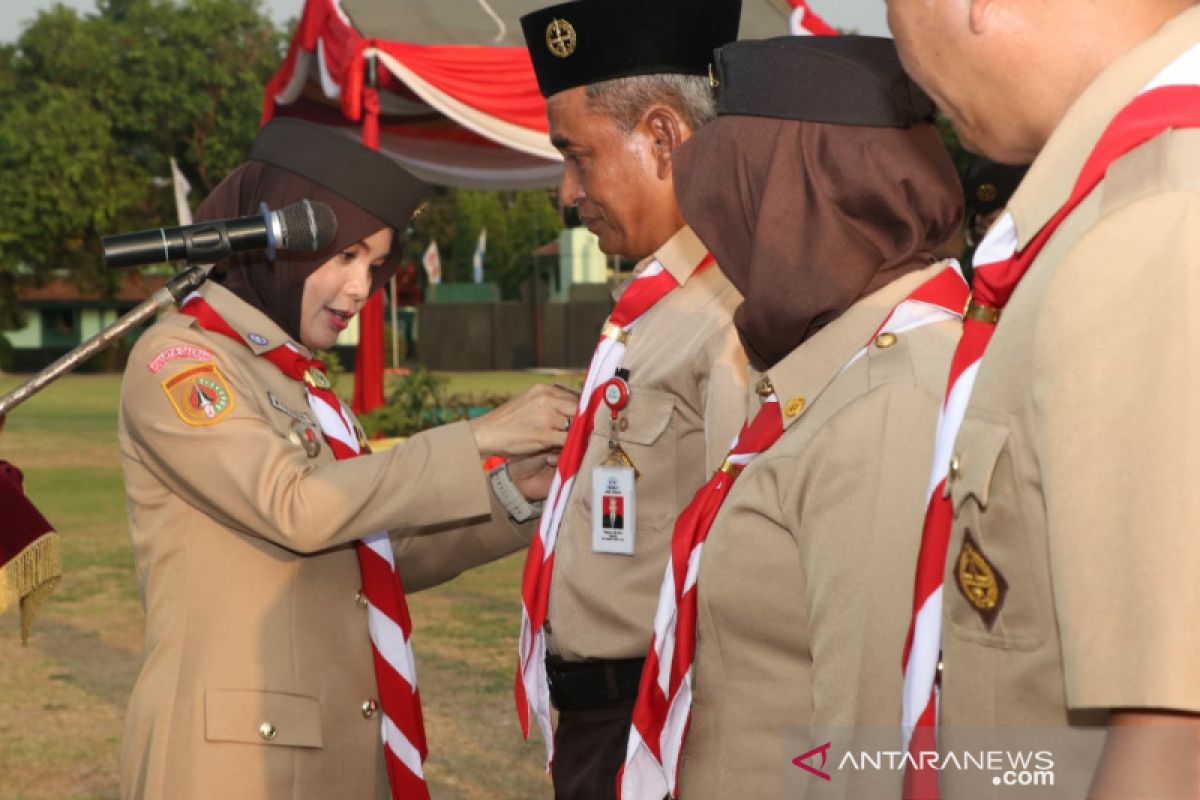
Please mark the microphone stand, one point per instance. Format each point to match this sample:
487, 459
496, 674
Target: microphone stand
177, 288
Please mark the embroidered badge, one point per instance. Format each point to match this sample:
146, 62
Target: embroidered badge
560, 38
257, 338
200, 395
979, 581
183, 351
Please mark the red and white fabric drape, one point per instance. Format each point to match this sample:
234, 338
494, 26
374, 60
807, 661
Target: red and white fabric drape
663, 709
805, 22
1170, 100
388, 622
532, 689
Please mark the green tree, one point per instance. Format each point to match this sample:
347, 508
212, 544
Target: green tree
92, 108
533, 220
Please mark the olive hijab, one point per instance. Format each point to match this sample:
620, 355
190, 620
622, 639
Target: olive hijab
806, 214
291, 161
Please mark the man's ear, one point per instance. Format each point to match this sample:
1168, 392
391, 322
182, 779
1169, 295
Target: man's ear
980, 12
666, 131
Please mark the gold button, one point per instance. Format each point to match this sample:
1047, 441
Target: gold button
794, 406
885, 340
623, 425
369, 707
954, 468
266, 731
360, 599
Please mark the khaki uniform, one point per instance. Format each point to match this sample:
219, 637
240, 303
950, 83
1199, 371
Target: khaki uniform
807, 572
687, 402
1074, 470
244, 551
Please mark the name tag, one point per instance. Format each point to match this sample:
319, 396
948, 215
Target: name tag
614, 510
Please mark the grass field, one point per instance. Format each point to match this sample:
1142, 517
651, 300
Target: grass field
63, 696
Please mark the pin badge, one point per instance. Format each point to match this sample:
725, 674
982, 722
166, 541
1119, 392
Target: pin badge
305, 436
257, 338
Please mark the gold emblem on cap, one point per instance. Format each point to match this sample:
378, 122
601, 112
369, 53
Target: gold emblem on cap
979, 581
986, 193
561, 38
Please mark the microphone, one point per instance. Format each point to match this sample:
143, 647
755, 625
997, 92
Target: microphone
308, 226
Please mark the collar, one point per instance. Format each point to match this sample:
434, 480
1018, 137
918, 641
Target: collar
679, 255
1048, 184
805, 373
257, 330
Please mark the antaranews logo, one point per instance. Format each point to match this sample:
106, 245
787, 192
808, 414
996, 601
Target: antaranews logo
1007, 767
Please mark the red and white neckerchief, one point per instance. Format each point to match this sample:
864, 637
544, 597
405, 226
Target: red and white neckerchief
805, 22
663, 708
388, 620
1171, 100
532, 689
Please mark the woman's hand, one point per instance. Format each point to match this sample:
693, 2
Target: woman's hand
532, 422
533, 475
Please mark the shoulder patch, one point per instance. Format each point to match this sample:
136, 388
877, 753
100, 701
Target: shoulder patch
200, 395
190, 352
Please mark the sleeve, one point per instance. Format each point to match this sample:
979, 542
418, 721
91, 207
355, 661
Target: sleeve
1116, 393
241, 472
428, 561
855, 508
722, 380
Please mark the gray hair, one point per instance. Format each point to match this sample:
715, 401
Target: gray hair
625, 100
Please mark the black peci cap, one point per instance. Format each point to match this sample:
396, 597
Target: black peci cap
587, 41
989, 186
344, 166
839, 80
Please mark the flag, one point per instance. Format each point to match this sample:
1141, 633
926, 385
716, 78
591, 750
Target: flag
805, 22
477, 258
182, 189
30, 558
432, 263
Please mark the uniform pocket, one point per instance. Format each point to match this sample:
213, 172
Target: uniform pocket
256, 717
993, 574
643, 421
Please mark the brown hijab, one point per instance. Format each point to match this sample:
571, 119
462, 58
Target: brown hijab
276, 287
293, 160
807, 218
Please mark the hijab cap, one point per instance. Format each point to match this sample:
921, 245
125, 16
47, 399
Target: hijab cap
293, 160
838, 80
820, 182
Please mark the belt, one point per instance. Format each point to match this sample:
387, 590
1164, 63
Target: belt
583, 685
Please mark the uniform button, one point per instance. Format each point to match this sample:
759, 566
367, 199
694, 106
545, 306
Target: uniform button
369, 707
360, 599
955, 467
266, 731
794, 406
885, 340
623, 425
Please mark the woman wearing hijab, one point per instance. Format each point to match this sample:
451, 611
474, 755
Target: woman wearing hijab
269, 542
823, 190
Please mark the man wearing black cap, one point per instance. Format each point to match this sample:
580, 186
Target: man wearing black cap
627, 82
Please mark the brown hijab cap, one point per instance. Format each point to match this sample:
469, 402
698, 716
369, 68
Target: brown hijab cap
808, 217
294, 160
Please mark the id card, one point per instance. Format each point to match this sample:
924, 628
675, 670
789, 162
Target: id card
613, 510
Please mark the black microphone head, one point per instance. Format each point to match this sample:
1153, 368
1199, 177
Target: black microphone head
308, 225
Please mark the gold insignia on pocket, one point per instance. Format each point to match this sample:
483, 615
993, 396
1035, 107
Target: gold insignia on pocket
200, 395
979, 581
560, 37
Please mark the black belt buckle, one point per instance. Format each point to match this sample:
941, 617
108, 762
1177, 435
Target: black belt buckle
595, 683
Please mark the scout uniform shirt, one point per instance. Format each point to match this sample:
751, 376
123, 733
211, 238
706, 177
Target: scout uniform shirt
1073, 475
806, 575
258, 677
687, 377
